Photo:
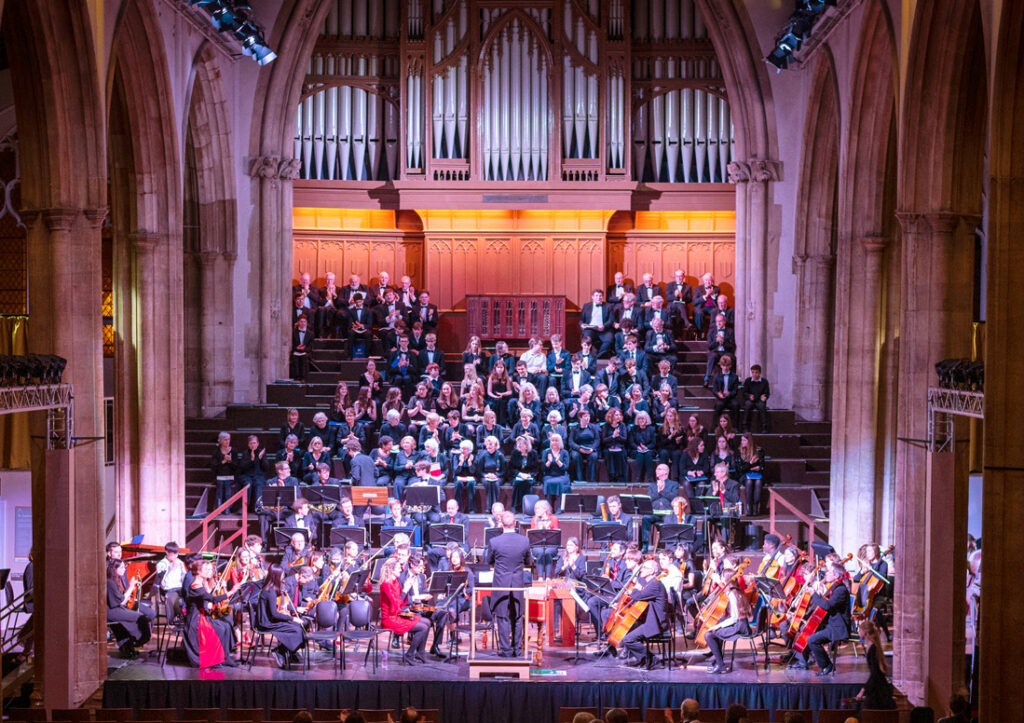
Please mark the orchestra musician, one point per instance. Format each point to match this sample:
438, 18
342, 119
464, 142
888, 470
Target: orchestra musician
650, 590
600, 609
303, 518
834, 597
275, 614
391, 617
301, 588
734, 623
295, 555
662, 492
450, 613
543, 519
572, 564
133, 626
208, 639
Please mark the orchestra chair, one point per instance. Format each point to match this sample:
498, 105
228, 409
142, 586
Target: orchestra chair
114, 715
209, 715
807, 715
169, 637
35, 715
712, 715
243, 715
665, 645
157, 715
529, 501
565, 715
261, 641
826, 715
71, 715
283, 714
325, 615
869, 715
758, 633
360, 615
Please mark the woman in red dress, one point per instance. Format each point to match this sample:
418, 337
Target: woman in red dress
392, 618
545, 555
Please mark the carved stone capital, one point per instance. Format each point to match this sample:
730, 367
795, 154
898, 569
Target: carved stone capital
144, 240
943, 223
739, 172
60, 219
874, 244
912, 222
264, 166
96, 216
289, 169
764, 170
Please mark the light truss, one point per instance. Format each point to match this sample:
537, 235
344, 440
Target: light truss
57, 400
943, 405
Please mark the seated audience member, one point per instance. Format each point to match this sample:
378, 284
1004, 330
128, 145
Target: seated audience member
722, 307
678, 295
499, 391
596, 321
721, 342
331, 313
302, 347
755, 394
292, 426
726, 387
705, 301
618, 289
474, 354
322, 429
614, 443
402, 365
431, 353
588, 356
406, 291
490, 470
575, 379
378, 292
424, 312
750, 470
640, 443
558, 362
631, 350
647, 290
523, 468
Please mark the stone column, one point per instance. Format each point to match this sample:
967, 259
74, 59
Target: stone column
853, 519
762, 172
935, 323
812, 360
739, 175
216, 366
273, 265
1002, 628
157, 476
65, 285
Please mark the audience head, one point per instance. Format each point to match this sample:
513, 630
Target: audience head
689, 710
616, 715
735, 712
583, 717
794, 717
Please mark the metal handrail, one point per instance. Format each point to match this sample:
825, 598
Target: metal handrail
242, 494
814, 527
8, 616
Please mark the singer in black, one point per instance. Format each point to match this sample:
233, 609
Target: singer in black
509, 553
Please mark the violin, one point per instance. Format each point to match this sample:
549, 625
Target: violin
132, 602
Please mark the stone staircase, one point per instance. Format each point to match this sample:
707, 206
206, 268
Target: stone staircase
798, 450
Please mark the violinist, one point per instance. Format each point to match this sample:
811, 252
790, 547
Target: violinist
171, 580
392, 620
254, 544
303, 518
650, 590
208, 638
543, 519
869, 560
832, 596
276, 615
295, 555
317, 561
669, 573
734, 623
132, 629
450, 613
572, 565
301, 589
770, 563
414, 588
688, 588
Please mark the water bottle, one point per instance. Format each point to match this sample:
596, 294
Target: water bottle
384, 658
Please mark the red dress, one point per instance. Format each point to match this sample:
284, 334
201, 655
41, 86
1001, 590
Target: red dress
390, 606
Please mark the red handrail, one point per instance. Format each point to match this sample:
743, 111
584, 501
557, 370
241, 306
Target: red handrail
241, 531
774, 497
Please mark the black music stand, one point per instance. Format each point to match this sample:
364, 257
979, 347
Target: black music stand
545, 538
600, 586
441, 534
348, 533
579, 503
283, 535
446, 587
822, 550
608, 532
673, 534
355, 583
490, 533
423, 496
278, 498
770, 588
377, 565
322, 494
387, 534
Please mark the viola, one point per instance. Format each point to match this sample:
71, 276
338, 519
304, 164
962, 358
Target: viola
716, 607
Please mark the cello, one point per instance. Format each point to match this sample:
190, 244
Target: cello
813, 622
623, 615
874, 584
716, 607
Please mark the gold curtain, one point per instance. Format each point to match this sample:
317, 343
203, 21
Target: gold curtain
15, 452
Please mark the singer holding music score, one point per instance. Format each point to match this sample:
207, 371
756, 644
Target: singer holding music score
394, 619
132, 629
276, 613
833, 597
208, 637
650, 590
735, 622
509, 553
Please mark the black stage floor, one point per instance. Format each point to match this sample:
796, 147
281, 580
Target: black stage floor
601, 683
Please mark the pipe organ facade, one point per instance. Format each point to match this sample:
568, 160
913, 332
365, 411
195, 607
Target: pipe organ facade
559, 92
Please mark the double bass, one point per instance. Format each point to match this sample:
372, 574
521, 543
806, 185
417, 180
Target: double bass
715, 608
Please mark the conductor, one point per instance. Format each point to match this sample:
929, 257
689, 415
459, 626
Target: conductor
509, 553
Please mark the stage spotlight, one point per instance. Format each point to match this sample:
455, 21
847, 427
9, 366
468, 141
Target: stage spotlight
232, 16
253, 44
796, 30
816, 6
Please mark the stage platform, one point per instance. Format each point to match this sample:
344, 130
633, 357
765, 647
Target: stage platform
601, 683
